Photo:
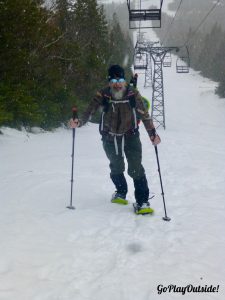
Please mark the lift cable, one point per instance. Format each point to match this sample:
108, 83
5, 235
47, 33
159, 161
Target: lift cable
200, 24
172, 21
139, 29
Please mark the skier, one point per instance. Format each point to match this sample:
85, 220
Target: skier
122, 106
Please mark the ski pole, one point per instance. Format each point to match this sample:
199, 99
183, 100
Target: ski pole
75, 116
166, 218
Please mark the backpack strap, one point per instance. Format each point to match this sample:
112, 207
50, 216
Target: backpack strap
106, 99
132, 101
105, 103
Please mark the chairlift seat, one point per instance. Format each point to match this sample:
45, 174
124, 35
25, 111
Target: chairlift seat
166, 64
144, 14
182, 69
140, 67
138, 55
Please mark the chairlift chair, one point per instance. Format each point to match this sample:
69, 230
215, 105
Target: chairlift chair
140, 61
182, 65
138, 55
183, 62
136, 15
167, 62
139, 48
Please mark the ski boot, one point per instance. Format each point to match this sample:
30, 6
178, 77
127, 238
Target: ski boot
119, 198
143, 209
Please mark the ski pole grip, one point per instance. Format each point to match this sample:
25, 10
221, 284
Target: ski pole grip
75, 113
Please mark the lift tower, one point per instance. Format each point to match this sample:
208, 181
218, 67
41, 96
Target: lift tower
144, 46
158, 107
148, 71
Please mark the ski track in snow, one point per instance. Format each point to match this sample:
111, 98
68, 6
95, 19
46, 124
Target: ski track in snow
102, 251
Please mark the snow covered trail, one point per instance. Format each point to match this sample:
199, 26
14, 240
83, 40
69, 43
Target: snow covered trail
103, 251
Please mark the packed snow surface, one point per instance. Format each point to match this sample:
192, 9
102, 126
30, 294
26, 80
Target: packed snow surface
100, 250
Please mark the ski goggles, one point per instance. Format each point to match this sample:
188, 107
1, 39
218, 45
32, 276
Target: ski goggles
120, 80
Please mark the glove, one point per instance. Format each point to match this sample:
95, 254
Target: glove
74, 123
154, 137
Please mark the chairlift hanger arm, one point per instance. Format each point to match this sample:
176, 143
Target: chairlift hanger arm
128, 4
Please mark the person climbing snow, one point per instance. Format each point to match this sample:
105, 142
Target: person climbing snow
122, 107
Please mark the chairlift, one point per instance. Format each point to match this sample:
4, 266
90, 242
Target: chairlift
183, 63
138, 55
140, 61
139, 48
167, 62
151, 17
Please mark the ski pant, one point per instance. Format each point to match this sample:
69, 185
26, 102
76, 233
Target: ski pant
133, 153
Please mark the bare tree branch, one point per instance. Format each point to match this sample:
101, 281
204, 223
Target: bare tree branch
62, 58
60, 37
